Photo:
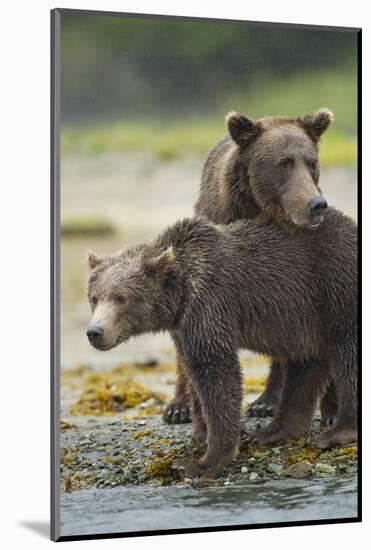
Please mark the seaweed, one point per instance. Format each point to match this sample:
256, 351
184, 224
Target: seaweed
106, 395
66, 425
254, 384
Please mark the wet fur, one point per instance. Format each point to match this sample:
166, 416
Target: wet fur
241, 180
248, 285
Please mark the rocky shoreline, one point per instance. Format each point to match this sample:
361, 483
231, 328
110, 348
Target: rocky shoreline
108, 452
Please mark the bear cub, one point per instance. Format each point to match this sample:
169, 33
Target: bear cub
250, 285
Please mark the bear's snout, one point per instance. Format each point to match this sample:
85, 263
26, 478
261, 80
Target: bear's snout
95, 334
317, 208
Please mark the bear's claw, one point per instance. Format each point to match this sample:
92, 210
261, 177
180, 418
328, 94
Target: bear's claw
260, 410
177, 412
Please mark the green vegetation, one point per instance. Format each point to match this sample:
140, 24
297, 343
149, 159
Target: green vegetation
193, 136
303, 92
114, 67
291, 96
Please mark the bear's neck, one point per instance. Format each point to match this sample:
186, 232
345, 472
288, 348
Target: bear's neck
241, 199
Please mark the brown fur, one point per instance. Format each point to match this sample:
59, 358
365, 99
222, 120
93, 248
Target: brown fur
245, 174
245, 177
247, 285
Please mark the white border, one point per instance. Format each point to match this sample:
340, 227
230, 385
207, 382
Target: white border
24, 231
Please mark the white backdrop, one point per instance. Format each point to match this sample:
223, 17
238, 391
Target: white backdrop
24, 290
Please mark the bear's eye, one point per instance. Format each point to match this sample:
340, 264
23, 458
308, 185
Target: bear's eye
94, 300
285, 163
119, 299
313, 165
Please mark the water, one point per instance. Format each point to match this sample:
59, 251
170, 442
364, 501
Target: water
144, 508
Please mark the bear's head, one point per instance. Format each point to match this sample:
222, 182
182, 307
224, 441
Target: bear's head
279, 161
130, 293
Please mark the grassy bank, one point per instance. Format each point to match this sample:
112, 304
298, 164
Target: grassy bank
189, 137
292, 96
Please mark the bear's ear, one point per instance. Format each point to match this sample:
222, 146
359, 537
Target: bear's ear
162, 262
242, 130
317, 123
93, 260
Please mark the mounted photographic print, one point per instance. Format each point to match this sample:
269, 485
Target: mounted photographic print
204, 277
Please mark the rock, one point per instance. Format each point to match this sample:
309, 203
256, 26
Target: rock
147, 362
299, 470
275, 468
323, 468
244, 470
151, 402
254, 476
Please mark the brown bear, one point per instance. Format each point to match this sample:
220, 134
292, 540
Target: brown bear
248, 285
266, 169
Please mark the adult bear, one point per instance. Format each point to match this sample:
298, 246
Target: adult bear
267, 169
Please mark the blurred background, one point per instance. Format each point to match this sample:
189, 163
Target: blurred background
143, 100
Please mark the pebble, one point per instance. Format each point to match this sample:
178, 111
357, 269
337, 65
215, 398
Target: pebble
300, 470
275, 468
150, 402
323, 468
92, 444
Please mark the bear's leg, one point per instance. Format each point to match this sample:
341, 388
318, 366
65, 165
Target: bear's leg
198, 423
329, 405
298, 400
344, 360
178, 410
216, 379
268, 401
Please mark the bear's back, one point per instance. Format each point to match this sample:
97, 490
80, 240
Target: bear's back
319, 263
